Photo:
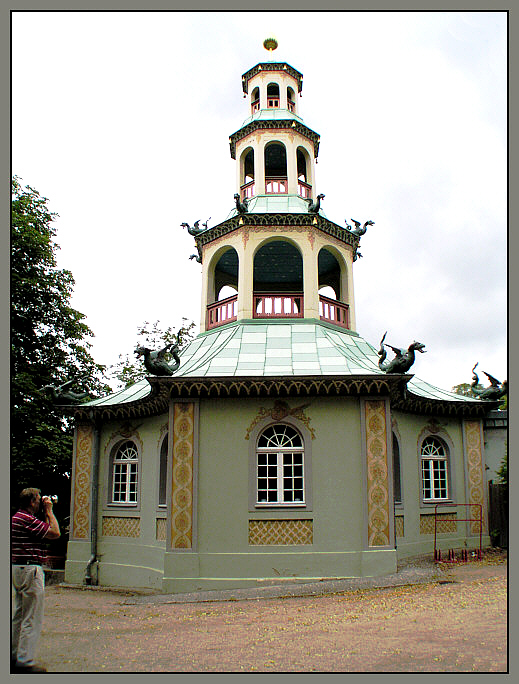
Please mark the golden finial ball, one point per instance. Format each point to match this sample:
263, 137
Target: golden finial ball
270, 43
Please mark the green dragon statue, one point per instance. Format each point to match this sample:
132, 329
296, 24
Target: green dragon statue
156, 363
404, 358
496, 391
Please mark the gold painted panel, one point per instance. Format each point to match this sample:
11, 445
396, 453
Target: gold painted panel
182, 476
280, 532
82, 481
399, 525
114, 526
445, 523
377, 473
475, 473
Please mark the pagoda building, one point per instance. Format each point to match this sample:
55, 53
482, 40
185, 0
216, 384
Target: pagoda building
279, 444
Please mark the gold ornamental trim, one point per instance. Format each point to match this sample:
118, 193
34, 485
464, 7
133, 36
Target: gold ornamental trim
377, 473
279, 411
82, 481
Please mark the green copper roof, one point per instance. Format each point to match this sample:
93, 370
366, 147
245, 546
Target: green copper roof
280, 348
276, 204
272, 113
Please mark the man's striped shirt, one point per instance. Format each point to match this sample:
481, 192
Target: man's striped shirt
27, 533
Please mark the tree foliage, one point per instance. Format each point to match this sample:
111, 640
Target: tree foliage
464, 389
49, 346
129, 369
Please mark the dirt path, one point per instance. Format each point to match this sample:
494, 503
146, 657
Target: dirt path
456, 625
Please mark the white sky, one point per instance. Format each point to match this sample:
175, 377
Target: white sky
123, 120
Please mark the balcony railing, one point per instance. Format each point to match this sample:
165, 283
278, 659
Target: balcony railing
332, 311
255, 106
247, 190
304, 189
224, 311
276, 185
272, 102
278, 306
291, 106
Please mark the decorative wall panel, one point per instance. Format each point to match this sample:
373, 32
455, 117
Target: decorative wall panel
182, 476
445, 523
160, 529
377, 473
82, 481
475, 473
399, 525
115, 526
280, 532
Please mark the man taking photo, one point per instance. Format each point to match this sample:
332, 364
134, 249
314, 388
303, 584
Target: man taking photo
28, 538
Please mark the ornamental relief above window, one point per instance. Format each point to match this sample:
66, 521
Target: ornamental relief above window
279, 411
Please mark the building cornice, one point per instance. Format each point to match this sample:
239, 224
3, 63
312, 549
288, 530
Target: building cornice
393, 386
272, 66
274, 124
308, 220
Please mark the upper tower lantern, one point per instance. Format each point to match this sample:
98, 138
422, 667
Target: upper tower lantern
274, 149
276, 256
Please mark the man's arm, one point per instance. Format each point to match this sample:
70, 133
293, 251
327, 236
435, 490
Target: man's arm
53, 531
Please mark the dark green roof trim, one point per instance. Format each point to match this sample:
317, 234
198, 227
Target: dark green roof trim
272, 66
307, 220
274, 124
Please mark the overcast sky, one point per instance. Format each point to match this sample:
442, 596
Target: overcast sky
122, 120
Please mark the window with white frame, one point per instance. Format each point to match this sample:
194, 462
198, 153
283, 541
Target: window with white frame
280, 467
435, 470
125, 473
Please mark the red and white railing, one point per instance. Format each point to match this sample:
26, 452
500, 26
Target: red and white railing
277, 306
224, 311
332, 311
304, 190
276, 185
247, 190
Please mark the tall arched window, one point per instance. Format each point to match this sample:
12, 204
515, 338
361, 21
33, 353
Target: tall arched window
276, 179
163, 469
280, 466
291, 100
125, 473
255, 100
397, 479
434, 459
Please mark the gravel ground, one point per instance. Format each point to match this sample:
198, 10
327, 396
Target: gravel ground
424, 618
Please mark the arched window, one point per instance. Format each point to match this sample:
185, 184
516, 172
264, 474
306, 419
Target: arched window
125, 473
163, 469
434, 458
255, 100
272, 95
276, 179
280, 467
291, 100
397, 479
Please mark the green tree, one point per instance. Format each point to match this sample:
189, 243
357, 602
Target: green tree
464, 389
49, 346
129, 369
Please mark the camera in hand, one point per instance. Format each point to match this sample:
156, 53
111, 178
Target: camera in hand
53, 498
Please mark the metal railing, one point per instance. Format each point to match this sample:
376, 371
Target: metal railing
247, 190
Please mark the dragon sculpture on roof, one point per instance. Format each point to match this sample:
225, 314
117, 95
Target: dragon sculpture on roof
404, 358
496, 391
156, 362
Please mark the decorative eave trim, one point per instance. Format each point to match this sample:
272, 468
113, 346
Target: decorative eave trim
412, 403
390, 385
274, 124
272, 66
164, 388
307, 220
